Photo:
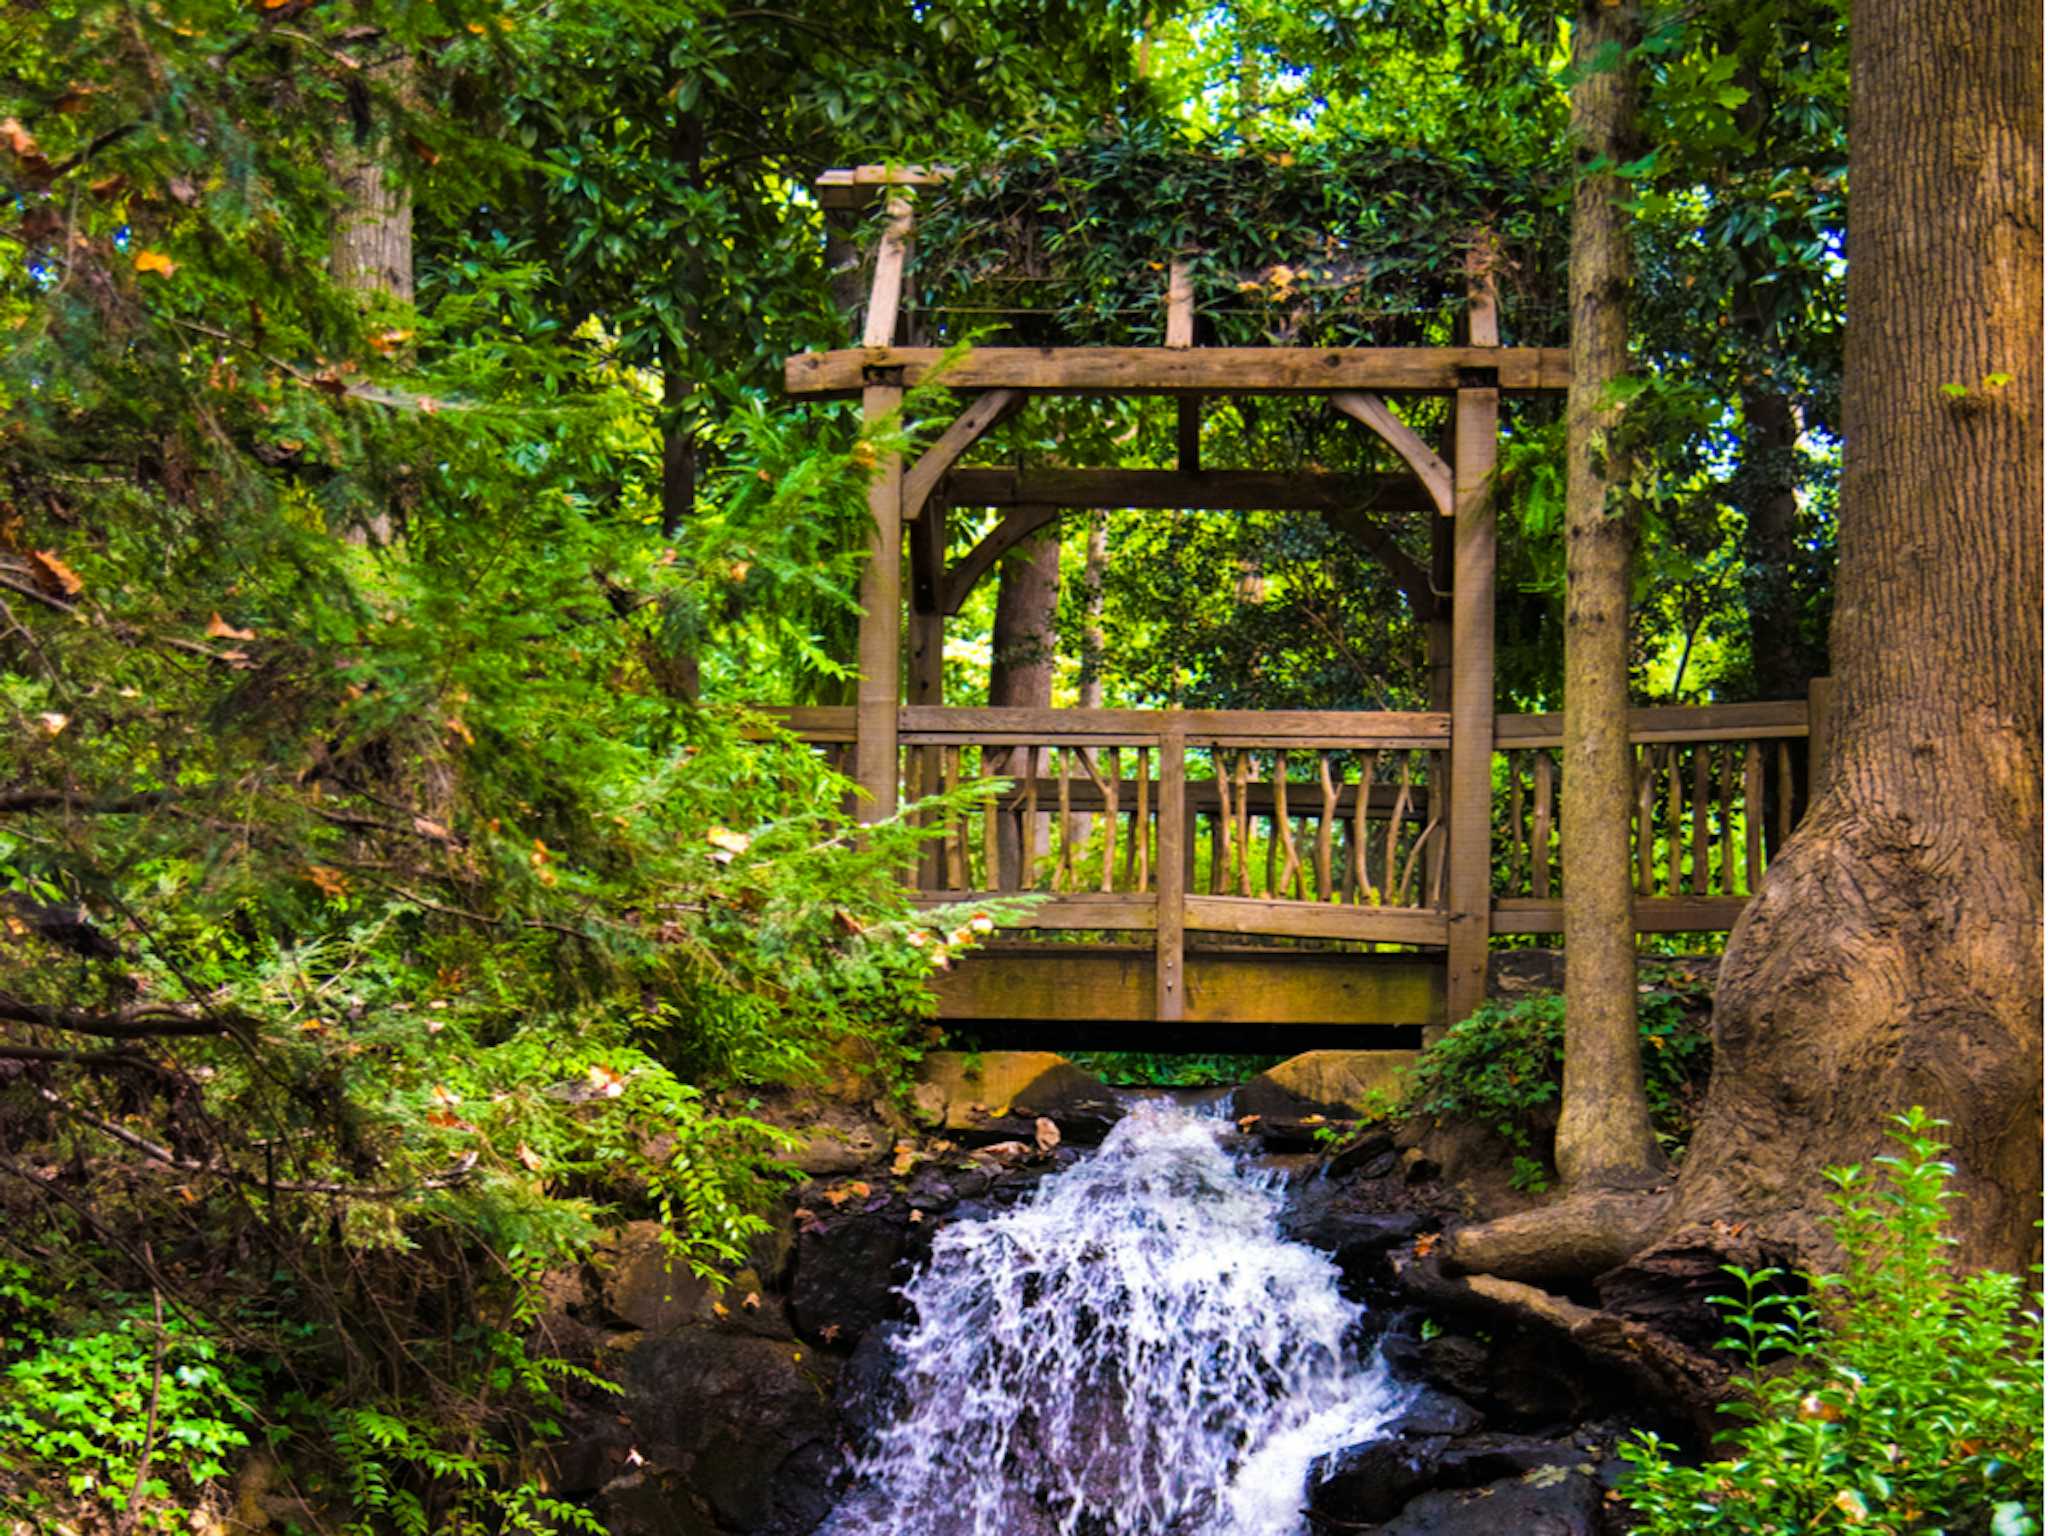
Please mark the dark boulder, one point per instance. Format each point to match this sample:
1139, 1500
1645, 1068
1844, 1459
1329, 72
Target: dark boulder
1550, 1501
847, 1270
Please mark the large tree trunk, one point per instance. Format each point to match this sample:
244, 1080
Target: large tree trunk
370, 245
1603, 1132
1893, 957
1021, 670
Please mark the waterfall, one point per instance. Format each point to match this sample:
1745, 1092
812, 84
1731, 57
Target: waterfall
1132, 1351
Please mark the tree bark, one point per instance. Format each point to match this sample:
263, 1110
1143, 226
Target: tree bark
370, 246
1893, 956
1020, 672
1603, 1133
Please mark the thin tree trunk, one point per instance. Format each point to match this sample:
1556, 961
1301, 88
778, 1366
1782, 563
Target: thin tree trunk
1893, 957
1603, 1133
1021, 670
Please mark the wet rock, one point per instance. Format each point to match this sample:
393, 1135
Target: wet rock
1433, 1412
1372, 1156
1365, 1484
735, 1428
1550, 1501
991, 1096
641, 1285
869, 1394
1337, 1085
1358, 1240
835, 1149
847, 1269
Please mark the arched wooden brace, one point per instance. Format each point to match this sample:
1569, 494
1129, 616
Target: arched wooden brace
924, 476
1429, 468
1018, 524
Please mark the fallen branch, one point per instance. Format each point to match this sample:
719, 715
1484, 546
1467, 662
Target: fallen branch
1582, 1235
1687, 1383
15, 801
146, 1021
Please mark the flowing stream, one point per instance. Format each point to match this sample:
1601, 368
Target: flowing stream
1135, 1350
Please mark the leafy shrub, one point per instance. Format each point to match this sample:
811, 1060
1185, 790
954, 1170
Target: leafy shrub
1171, 1069
92, 1406
1896, 1397
1504, 1066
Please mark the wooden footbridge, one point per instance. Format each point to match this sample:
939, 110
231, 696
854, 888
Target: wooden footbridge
1233, 868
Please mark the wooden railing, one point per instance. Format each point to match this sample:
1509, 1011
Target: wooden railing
1321, 826
1716, 787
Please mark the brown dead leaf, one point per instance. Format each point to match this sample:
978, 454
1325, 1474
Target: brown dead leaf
53, 575
1425, 1245
1047, 1136
218, 628
19, 140
859, 1190
532, 1160
836, 1197
917, 1218
751, 1301
332, 882
154, 262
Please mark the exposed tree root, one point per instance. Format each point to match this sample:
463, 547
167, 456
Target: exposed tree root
1585, 1234
1688, 1383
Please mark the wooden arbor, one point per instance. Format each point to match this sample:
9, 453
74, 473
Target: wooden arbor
1390, 838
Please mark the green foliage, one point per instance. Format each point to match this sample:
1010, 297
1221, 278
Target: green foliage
1896, 1397
96, 1402
1171, 1069
1504, 1067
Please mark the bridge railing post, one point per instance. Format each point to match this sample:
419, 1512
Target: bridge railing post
1169, 992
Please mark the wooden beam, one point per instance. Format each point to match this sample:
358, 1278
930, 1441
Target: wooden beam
1106, 984
885, 296
1470, 809
1211, 490
857, 186
1315, 920
1669, 723
967, 428
1430, 469
1194, 370
878, 691
1102, 727
1180, 306
1080, 911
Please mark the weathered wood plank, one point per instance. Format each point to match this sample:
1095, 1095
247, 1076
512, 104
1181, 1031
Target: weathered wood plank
1069, 912
1314, 920
1429, 468
878, 693
1697, 722
1059, 982
885, 296
1200, 726
1204, 490
1194, 370
967, 428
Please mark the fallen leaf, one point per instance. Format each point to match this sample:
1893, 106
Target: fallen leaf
388, 341
859, 1189
532, 1159
752, 1301
18, 138
728, 843
53, 723
1047, 1135
332, 882
155, 261
427, 827
218, 628
443, 1094
1425, 1245
720, 1309
54, 575
917, 1218
634, 1458
1246, 1122
829, 1332
836, 1197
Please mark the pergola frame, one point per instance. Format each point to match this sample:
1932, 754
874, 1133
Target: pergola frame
1454, 596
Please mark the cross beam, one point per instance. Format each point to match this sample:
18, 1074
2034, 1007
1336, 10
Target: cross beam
1187, 371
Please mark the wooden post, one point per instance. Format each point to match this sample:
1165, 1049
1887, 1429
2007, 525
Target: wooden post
1169, 992
1469, 814
881, 583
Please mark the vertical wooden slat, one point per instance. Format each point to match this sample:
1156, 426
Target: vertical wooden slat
1109, 817
1361, 826
1784, 791
1168, 992
1674, 820
1514, 848
885, 296
1753, 816
1539, 829
956, 826
1222, 827
1244, 823
1283, 823
1063, 870
1027, 834
1646, 821
1273, 839
1702, 822
1727, 818
1389, 885
1141, 828
1324, 826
